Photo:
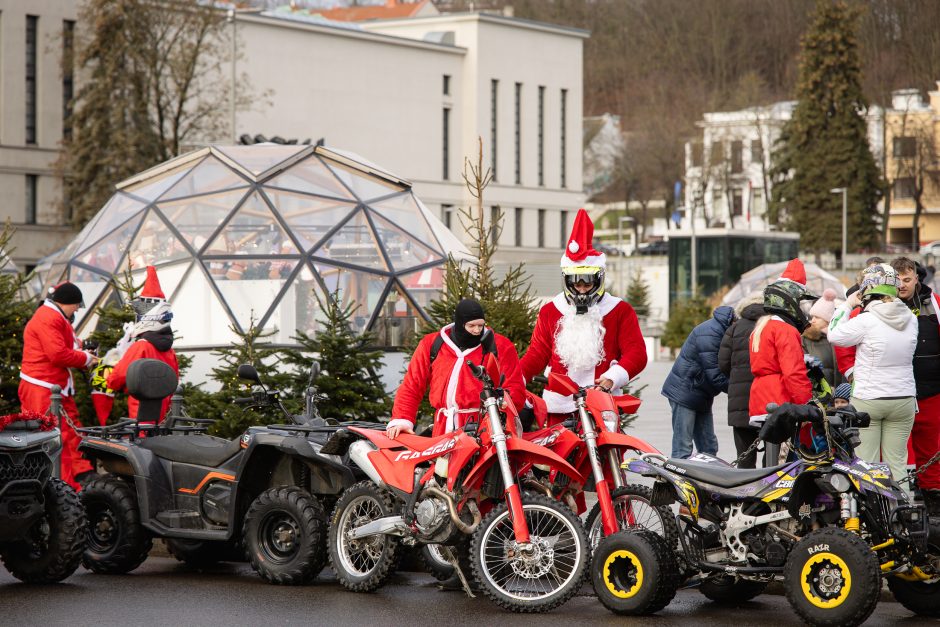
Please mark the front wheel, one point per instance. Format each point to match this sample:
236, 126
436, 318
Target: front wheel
634, 509
52, 548
537, 576
117, 542
362, 564
284, 533
921, 597
832, 578
634, 572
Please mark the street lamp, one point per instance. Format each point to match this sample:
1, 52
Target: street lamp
844, 192
620, 222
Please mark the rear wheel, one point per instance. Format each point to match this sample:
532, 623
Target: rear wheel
51, 549
634, 572
730, 591
362, 564
832, 577
284, 533
540, 575
435, 562
634, 510
117, 542
921, 596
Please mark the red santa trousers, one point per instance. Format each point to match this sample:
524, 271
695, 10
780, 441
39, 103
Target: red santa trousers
925, 441
37, 398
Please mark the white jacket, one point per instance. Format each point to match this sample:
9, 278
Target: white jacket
885, 336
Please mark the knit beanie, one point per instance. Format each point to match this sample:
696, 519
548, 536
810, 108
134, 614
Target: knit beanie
843, 390
824, 307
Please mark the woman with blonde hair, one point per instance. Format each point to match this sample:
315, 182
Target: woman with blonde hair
885, 337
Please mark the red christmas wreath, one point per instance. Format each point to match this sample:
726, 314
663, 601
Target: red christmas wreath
46, 422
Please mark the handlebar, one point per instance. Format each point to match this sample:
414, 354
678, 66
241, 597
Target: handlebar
243, 400
540, 379
478, 371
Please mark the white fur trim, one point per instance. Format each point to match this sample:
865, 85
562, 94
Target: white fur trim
591, 260
399, 422
558, 404
573, 246
617, 374
607, 303
451, 395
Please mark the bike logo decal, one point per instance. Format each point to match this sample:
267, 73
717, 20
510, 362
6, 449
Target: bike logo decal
784, 483
681, 471
440, 447
246, 439
548, 440
818, 548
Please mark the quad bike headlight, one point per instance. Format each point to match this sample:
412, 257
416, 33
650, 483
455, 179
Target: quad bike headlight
839, 483
611, 420
52, 445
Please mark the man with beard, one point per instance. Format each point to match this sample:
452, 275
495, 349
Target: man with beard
584, 332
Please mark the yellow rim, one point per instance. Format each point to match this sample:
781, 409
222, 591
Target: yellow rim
613, 586
824, 573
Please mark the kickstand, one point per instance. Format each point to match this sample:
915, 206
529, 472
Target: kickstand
452, 559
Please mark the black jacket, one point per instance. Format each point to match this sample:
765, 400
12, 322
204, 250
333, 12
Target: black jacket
695, 379
734, 359
927, 355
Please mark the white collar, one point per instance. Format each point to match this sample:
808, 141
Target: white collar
51, 305
454, 346
607, 303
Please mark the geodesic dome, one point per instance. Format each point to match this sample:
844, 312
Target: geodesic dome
242, 233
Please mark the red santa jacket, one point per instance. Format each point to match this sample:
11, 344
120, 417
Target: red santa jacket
624, 348
50, 348
141, 349
778, 368
452, 389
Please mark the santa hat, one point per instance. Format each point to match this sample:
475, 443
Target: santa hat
795, 272
580, 251
152, 289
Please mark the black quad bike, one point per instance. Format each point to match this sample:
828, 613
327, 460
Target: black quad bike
42, 523
211, 499
827, 524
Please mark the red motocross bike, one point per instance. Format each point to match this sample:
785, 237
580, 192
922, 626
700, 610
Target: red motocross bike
593, 441
528, 553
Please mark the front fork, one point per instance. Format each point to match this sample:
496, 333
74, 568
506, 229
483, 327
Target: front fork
512, 492
608, 516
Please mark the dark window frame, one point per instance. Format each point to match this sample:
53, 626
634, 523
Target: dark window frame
904, 147
904, 187
518, 133
494, 114
518, 225
737, 156
446, 84
445, 158
31, 201
68, 75
541, 137
494, 224
564, 227
447, 212
541, 229
31, 78
563, 177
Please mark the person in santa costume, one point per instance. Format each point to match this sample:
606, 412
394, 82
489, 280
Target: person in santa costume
152, 338
438, 368
776, 344
584, 332
50, 348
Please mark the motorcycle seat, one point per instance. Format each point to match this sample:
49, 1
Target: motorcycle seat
719, 475
201, 450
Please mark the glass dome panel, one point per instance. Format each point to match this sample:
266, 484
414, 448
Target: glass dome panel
403, 250
198, 218
210, 176
91, 284
424, 285
170, 275
298, 309
309, 217
259, 158
151, 189
354, 243
312, 177
155, 243
398, 320
118, 211
404, 212
363, 185
253, 230
107, 254
202, 321
361, 289
250, 286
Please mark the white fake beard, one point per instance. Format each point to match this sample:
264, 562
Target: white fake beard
579, 339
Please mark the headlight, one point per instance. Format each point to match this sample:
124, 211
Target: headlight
839, 483
611, 420
53, 445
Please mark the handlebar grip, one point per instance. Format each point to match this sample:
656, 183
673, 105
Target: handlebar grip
540, 379
771, 407
477, 371
243, 400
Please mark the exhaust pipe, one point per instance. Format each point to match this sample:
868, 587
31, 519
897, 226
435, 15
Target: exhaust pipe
539, 487
452, 509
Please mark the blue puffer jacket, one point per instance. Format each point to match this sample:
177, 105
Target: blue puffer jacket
695, 379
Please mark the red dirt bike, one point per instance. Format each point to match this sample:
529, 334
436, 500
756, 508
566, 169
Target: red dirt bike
593, 441
529, 552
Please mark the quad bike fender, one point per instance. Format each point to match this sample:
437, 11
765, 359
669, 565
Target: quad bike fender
685, 490
622, 440
117, 458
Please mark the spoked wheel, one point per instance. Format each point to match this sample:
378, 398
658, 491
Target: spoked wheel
539, 575
284, 535
435, 562
634, 510
361, 564
832, 577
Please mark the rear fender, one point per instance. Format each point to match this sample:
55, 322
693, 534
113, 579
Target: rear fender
117, 458
686, 492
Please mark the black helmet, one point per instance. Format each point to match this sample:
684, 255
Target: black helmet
592, 275
782, 298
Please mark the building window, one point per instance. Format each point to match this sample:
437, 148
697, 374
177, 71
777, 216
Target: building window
541, 228
68, 65
494, 109
447, 84
564, 138
905, 146
541, 136
447, 213
737, 157
518, 225
697, 149
494, 225
32, 23
518, 118
737, 203
716, 154
757, 202
563, 236
445, 157
756, 151
904, 187
31, 199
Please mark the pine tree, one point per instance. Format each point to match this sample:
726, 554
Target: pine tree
684, 315
14, 315
348, 382
825, 145
638, 294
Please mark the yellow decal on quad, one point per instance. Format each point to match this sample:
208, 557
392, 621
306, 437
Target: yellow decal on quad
626, 578
826, 580
690, 496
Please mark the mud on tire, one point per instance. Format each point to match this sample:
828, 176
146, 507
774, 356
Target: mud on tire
832, 577
285, 536
53, 547
645, 515
362, 565
634, 572
117, 542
